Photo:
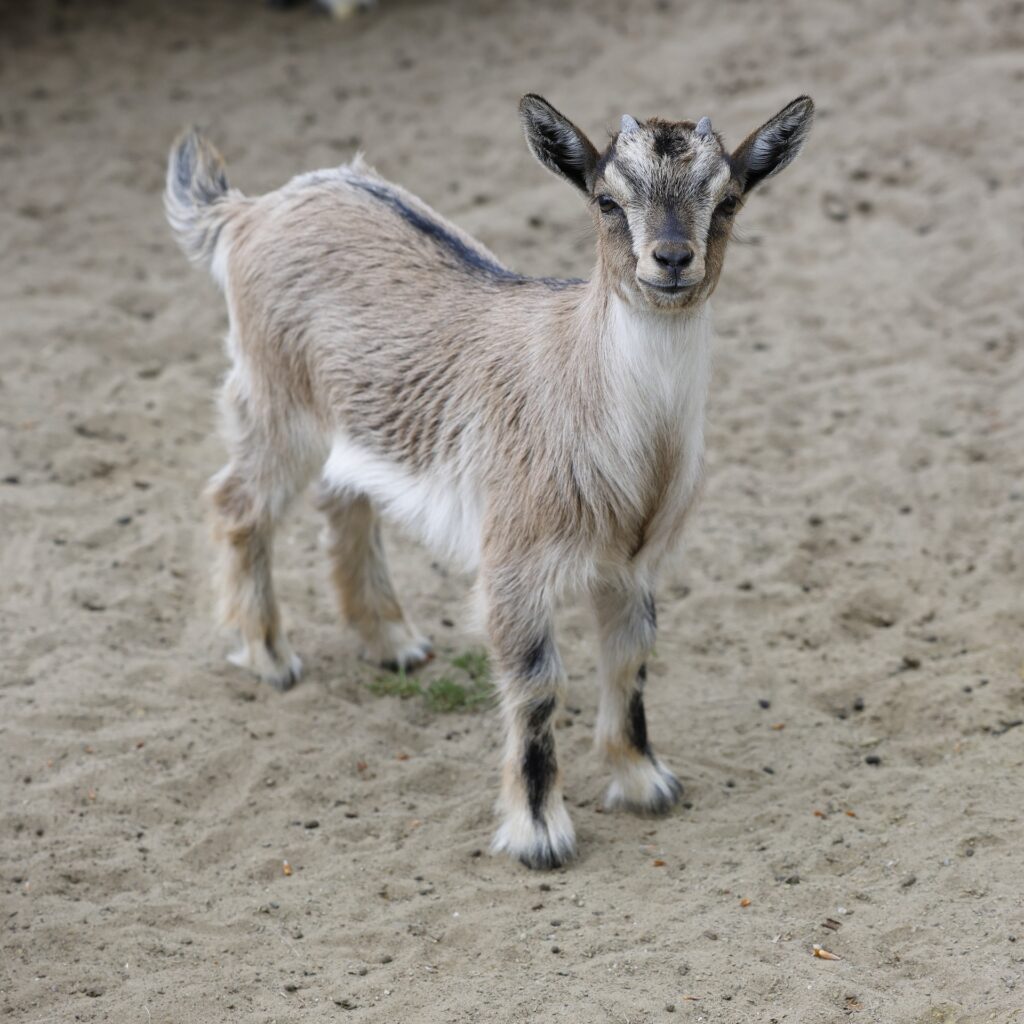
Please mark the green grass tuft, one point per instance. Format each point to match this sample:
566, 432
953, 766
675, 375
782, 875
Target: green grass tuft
398, 685
445, 694
475, 664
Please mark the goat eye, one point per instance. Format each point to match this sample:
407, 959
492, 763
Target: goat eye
607, 204
728, 205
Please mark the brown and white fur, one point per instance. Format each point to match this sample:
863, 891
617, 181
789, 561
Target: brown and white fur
546, 433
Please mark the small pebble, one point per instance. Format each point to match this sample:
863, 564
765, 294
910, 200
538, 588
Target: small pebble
835, 208
908, 881
312, 823
858, 704
670, 1007
764, 703
713, 936
873, 759
556, 949
969, 852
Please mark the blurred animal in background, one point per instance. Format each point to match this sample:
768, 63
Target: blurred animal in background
547, 433
339, 9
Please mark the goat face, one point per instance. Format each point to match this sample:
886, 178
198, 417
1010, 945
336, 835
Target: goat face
664, 194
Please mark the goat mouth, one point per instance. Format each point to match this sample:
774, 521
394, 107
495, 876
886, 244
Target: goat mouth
669, 289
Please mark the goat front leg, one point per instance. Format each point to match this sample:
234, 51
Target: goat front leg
535, 827
628, 623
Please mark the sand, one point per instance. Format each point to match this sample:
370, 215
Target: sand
855, 562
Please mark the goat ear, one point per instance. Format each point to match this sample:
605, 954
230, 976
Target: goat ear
557, 143
775, 144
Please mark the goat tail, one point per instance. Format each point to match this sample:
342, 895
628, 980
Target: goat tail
197, 200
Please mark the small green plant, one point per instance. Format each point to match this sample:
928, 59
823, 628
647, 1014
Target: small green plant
398, 685
444, 694
475, 664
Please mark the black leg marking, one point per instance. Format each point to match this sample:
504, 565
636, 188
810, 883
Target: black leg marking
536, 658
539, 713
650, 610
539, 765
637, 724
539, 769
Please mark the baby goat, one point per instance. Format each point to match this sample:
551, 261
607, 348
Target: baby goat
548, 433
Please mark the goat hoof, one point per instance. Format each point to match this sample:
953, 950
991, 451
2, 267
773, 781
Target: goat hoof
541, 845
410, 656
646, 787
281, 671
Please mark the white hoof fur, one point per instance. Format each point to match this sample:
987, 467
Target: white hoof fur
400, 648
281, 669
540, 844
644, 786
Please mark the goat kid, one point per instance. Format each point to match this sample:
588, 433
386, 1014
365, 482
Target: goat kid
547, 433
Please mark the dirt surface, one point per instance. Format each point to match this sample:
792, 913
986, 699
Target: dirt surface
838, 678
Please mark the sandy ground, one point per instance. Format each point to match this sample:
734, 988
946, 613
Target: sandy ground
856, 560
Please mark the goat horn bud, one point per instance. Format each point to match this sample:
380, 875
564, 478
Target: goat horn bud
703, 128
629, 124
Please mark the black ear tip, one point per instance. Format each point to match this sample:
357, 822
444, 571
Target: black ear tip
531, 101
805, 103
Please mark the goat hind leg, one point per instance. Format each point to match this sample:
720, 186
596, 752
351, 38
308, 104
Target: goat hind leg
244, 529
359, 570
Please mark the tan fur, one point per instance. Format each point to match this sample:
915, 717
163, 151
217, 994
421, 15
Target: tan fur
548, 433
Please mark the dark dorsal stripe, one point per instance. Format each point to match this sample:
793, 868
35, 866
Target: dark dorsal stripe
467, 256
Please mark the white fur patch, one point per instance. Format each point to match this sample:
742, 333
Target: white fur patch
441, 507
642, 785
537, 844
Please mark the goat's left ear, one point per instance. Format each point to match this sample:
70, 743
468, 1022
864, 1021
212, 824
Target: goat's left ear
557, 143
775, 144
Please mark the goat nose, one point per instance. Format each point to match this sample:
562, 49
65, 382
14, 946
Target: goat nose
673, 254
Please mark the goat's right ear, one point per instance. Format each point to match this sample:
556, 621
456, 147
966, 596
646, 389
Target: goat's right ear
557, 143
